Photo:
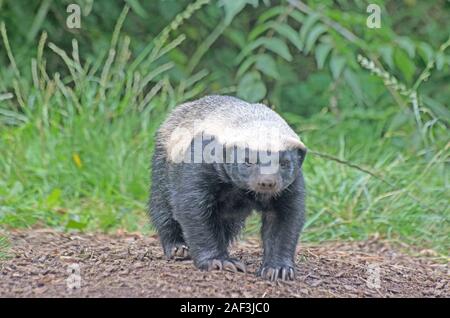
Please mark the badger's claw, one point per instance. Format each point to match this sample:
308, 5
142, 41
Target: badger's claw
226, 264
282, 273
179, 251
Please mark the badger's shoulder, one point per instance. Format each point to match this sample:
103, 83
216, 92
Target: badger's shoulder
213, 105
231, 121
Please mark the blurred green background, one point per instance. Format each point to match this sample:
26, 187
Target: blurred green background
79, 107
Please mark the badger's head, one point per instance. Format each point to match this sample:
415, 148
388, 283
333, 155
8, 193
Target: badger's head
252, 145
265, 173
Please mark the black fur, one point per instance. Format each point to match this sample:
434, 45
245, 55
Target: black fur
204, 207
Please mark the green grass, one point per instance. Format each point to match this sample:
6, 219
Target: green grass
344, 203
75, 153
91, 175
106, 188
4, 247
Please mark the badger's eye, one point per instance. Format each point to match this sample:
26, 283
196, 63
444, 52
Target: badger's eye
284, 163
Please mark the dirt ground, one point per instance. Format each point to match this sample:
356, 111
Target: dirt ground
44, 263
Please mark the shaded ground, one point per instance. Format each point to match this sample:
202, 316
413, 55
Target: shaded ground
133, 266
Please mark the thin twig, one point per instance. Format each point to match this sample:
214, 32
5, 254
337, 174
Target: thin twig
371, 173
350, 164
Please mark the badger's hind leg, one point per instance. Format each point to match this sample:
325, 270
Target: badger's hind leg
161, 212
175, 247
170, 233
172, 241
169, 230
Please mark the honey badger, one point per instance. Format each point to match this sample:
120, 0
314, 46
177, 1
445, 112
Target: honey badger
216, 160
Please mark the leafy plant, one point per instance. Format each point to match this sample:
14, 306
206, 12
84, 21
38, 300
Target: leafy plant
79, 108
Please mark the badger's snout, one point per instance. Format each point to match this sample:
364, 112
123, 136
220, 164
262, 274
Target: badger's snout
266, 184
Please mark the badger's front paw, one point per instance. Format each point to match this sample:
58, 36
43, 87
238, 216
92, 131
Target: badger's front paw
227, 264
273, 273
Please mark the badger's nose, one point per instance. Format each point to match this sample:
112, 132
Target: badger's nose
267, 183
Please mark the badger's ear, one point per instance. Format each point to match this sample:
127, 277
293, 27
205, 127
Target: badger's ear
302, 154
295, 143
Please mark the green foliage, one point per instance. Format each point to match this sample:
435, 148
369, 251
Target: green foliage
79, 108
4, 247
